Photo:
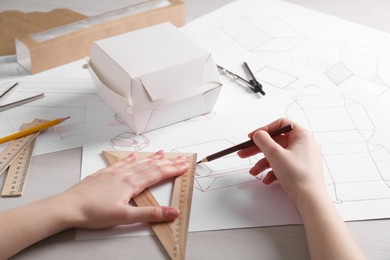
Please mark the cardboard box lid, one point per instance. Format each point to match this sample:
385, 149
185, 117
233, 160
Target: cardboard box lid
160, 57
14, 24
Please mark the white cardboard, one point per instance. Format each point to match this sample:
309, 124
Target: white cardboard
154, 77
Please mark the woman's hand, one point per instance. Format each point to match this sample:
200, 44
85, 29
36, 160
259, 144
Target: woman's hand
102, 199
293, 158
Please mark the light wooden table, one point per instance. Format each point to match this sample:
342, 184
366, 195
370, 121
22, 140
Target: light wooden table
55, 172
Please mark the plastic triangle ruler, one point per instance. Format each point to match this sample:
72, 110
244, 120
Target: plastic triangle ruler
17, 156
172, 235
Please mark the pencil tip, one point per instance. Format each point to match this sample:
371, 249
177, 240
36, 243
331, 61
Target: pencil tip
64, 118
202, 161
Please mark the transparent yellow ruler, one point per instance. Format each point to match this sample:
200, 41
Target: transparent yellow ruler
17, 156
172, 235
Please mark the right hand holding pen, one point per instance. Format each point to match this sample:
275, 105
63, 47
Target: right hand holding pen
294, 159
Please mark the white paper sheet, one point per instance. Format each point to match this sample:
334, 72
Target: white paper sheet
61, 99
323, 72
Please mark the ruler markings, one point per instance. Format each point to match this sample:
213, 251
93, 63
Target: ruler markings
17, 156
17, 173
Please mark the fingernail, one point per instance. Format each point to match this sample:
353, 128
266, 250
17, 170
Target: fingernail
172, 213
252, 172
181, 159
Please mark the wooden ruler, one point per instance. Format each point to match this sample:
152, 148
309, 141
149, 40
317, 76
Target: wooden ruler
172, 235
17, 173
17, 156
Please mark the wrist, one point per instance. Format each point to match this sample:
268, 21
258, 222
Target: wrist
311, 198
63, 211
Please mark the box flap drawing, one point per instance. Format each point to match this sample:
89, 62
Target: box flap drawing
154, 77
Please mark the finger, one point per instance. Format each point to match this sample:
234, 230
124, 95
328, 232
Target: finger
259, 167
155, 174
181, 159
282, 140
149, 163
247, 152
161, 172
115, 166
144, 163
275, 125
128, 159
157, 155
265, 142
269, 178
152, 214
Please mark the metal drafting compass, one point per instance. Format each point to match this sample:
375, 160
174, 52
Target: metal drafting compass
18, 102
252, 83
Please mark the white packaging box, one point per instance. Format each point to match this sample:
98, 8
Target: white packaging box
154, 77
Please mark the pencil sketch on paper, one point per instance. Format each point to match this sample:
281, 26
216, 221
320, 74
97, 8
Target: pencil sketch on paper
356, 168
71, 130
226, 172
275, 77
126, 140
129, 141
363, 62
261, 34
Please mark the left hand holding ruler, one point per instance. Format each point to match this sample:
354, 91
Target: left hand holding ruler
172, 235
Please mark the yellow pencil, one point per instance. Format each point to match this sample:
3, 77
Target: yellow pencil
33, 129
